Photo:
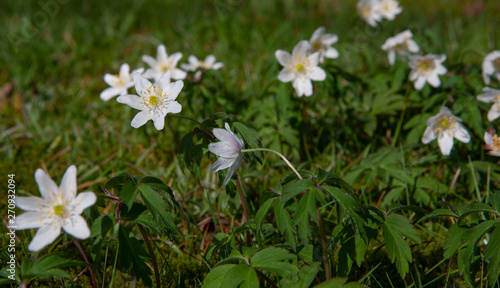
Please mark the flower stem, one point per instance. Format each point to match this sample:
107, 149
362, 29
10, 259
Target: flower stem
151, 254
277, 153
245, 209
92, 276
403, 111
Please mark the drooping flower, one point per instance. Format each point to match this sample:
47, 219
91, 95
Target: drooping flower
195, 64
119, 83
300, 68
370, 11
491, 66
162, 64
401, 44
492, 142
389, 9
59, 207
427, 69
491, 95
445, 126
228, 150
322, 43
155, 100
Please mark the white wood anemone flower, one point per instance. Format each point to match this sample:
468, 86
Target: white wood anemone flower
492, 142
322, 42
300, 68
427, 69
58, 208
119, 83
491, 95
155, 100
370, 11
401, 44
201, 65
445, 126
228, 150
389, 9
162, 64
491, 66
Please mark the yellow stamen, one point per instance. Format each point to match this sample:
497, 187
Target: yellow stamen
299, 67
444, 123
496, 64
316, 45
58, 210
153, 100
425, 65
366, 11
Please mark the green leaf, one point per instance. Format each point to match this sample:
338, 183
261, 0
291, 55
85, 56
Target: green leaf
306, 276
250, 137
242, 276
284, 223
338, 283
133, 253
476, 208
395, 228
351, 206
158, 208
495, 200
263, 210
438, 213
454, 240
128, 193
119, 181
274, 260
492, 254
296, 188
215, 277
45, 266
101, 226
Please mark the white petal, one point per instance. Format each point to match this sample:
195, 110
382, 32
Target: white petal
413, 75
314, 58
488, 138
31, 203
433, 80
303, 87
179, 74
419, 84
217, 65
82, 201
44, 236
221, 164
233, 169
174, 107
141, 84
329, 39
317, 74
193, 61
429, 135
494, 112
173, 89
149, 60
412, 46
228, 138
140, 119
440, 69
331, 53
461, 134
175, 58
31, 220
46, 185
210, 60
133, 101
317, 33
301, 48
68, 183
286, 75
111, 79
124, 70
392, 57
159, 121
161, 53
164, 81
445, 143
223, 150
77, 227
283, 57
109, 93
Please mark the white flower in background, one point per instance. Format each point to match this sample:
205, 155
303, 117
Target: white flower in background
300, 68
492, 142
322, 43
162, 64
491, 66
155, 100
195, 64
119, 83
401, 44
370, 11
427, 69
389, 9
228, 150
445, 126
491, 95
59, 207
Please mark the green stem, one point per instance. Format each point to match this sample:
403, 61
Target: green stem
151, 254
403, 111
277, 153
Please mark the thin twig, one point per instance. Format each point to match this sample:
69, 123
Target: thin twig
245, 210
151, 253
92, 276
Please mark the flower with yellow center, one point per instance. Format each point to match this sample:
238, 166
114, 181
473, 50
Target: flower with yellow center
492, 142
119, 83
491, 66
322, 43
300, 68
162, 64
59, 208
427, 69
155, 100
370, 11
445, 126
389, 9
401, 44
195, 64
491, 95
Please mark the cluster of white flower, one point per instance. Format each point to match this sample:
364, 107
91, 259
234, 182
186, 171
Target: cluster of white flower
301, 66
372, 11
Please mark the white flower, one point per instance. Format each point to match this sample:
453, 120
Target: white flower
389, 9
119, 83
229, 150
491, 95
491, 66
155, 100
426, 69
59, 207
492, 142
402, 44
370, 11
321, 42
162, 64
300, 68
195, 64
445, 126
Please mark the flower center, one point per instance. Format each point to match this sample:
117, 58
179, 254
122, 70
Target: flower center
496, 64
155, 99
204, 65
316, 45
425, 65
299, 67
401, 48
366, 11
58, 210
443, 123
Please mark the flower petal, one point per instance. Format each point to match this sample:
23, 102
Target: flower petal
392, 57
124, 70
461, 134
159, 121
236, 164
494, 112
223, 150
445, 143
141, 84
419, 84
210, 60
221, 164
329, 39
31, 220
46, 185
228, 137
174, 107
140, 119
164, 81
429, 135
331, 53
178, 74
149, 60
111, 79
317, 74
161, 52
82, 201
109, 93
217, 65
44, 236
303, 87
317, 33
286, 75
283, 57
301, 48
31, 203
173, 89
133, 101
68, 183
433, 80
77, 227
175, 58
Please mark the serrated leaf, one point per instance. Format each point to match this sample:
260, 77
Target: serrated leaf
158, 208
128, 193
476, 208
338, 283
454, 240
250, 137
263, 210
118, 181
284, 224
438, 213
495, 200
296, 188
101, 226
492, 254
274, 260
395, 228
216, 276
242, 276
132, 253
